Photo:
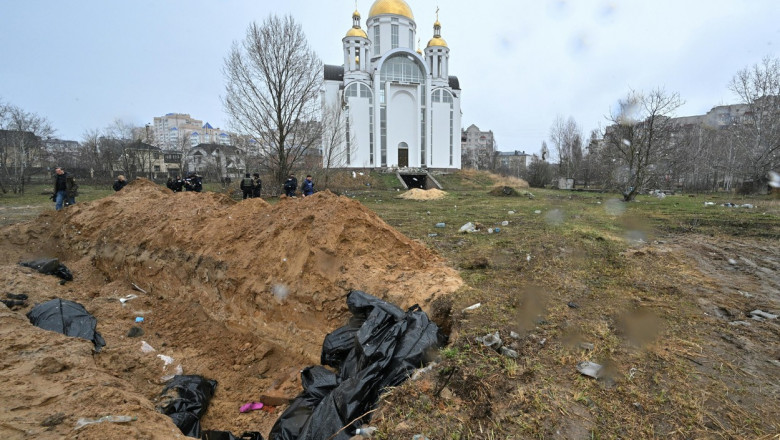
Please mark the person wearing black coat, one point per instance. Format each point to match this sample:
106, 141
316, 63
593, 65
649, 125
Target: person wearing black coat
120, 183
258, 185
290, 185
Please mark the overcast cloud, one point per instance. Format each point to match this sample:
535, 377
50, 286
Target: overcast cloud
84, 63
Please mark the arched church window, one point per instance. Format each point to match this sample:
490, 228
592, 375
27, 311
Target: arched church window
360, 90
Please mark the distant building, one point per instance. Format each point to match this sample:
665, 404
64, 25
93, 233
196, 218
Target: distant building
175, 130
215, 161
401, 107
477, 147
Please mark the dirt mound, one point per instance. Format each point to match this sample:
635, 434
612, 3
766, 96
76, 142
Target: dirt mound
242, 293
508, 191
422, 194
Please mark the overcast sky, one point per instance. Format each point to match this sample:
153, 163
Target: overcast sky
84, 63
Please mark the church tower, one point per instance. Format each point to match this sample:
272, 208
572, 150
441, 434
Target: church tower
357, 49
437, 56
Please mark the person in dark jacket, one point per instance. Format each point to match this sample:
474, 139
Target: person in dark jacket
247, 186
120, 182
65, 189
290, 185
178, 184
307, 188
169, 183
193, 182
258, 185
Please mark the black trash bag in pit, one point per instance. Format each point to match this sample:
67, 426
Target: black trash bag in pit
50, 266
185, 399
379, 348
224, 435
66, 317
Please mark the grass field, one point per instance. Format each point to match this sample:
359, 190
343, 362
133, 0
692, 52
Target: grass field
646, 289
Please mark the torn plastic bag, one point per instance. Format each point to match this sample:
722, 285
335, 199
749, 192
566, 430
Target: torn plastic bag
50, 266
66, 317
224, 435
385, 349
317, 383
189, 402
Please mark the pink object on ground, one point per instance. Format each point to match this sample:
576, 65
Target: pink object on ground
251, 406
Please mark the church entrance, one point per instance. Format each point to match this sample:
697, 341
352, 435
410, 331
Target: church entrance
403, 155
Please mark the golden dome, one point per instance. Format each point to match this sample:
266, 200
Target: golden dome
397, 7
357, 32
437, 41
356, 14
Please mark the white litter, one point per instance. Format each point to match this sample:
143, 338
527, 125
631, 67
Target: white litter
146, 348
473, 307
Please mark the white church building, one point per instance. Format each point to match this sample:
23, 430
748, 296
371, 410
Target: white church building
396, 106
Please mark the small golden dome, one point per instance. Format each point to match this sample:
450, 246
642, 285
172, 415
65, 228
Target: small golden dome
397, 7
356, 14
357, 32
437, 23
437, 41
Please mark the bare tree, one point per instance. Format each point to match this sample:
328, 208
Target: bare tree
566, 136
20, 145
338, 141
273, 83
639, 137
757, 134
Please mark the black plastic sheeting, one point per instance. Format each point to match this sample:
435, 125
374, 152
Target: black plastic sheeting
189, 402
66, 317
379, 348
224, 435
50, 266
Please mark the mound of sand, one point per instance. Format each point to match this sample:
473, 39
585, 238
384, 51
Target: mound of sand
422, 194
242, 293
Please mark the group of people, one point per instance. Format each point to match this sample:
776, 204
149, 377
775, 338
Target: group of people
291, 184
66, 188
192, 182
251, 186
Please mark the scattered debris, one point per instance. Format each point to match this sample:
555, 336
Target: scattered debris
135, 286
473, 307
127, 298
135, 332
587, 346
590, 369
511, 212
146, 348
505, 223
492, 340
113, 419
573, 305
420, 371
139, 319
508, 352
762, 314
251, 406
433, 235
514, 335
537, 212
742, 323
468, 227
732, 261
440, 225
366, 432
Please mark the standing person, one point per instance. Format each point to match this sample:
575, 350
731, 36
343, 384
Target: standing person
307, 188
197, 183
178, 184
169, 183
290, 185
65, 189
120, 182
247, 186
258, 185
